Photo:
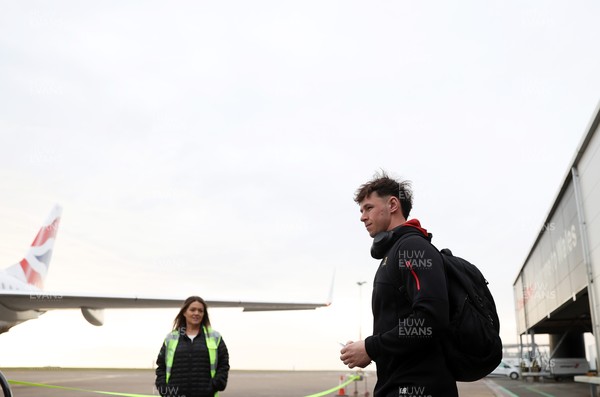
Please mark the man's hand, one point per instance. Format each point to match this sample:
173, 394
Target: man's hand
354, 354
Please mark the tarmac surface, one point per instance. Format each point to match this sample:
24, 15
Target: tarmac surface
258, 384
241, 383
503, 386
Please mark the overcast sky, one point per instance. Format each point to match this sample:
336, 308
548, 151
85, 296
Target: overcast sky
213, 148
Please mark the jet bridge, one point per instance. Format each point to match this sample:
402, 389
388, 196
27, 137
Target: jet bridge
557, 290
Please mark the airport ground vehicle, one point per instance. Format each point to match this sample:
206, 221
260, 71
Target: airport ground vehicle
506, 369
568, 367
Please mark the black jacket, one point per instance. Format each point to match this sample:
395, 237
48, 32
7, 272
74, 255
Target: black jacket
190, 374
410, 313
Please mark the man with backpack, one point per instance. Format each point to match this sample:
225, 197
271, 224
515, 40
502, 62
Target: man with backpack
410, 299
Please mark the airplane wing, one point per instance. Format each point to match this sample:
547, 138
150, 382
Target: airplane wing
43, 301
22, 296
28, 305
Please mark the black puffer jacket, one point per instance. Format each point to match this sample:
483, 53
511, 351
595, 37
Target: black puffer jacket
190, 374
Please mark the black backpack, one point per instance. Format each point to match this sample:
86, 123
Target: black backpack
472, 346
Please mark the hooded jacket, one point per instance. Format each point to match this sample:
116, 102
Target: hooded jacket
410, 316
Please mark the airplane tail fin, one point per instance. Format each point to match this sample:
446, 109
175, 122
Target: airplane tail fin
33, 268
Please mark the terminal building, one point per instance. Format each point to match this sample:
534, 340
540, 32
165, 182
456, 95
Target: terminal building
557, 289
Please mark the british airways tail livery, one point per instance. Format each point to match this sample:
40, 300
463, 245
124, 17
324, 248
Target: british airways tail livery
23, 298
30, 272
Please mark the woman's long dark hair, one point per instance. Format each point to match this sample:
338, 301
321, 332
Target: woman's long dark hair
180, 319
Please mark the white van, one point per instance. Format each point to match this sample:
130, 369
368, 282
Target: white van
506, 369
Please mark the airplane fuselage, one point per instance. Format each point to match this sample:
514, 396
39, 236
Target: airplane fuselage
8, 317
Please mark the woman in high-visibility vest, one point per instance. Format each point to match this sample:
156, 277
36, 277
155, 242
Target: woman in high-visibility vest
193, 360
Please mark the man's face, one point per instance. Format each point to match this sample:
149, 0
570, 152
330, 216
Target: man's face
375, 213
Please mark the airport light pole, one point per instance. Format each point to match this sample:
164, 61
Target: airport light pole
359, 371
360, 284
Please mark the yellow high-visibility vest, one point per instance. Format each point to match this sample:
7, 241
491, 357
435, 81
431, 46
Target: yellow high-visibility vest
213, 338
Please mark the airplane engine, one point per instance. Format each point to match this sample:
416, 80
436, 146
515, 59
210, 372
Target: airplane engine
93, 316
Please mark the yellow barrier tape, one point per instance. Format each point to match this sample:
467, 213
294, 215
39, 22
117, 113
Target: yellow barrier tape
18, 382
22, 383
334, 389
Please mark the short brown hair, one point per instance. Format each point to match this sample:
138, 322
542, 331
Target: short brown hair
386, 186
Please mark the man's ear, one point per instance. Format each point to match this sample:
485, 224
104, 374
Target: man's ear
394, 205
